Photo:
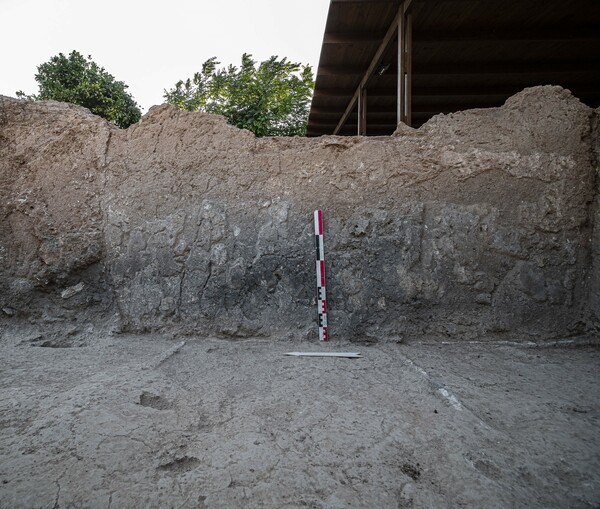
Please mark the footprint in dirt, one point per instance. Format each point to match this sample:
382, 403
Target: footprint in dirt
155, 401
180, 465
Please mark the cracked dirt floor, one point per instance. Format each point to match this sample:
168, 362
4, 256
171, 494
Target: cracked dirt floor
150, 421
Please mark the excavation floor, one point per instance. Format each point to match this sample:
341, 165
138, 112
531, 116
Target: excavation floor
149, 421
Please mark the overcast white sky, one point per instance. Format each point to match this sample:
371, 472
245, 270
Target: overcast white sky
151, 44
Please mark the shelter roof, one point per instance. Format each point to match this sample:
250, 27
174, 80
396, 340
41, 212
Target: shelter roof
461, 54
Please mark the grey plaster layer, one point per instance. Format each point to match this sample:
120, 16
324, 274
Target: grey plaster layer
144, 421
477, 223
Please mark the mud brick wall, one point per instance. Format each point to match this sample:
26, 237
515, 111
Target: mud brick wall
479, 223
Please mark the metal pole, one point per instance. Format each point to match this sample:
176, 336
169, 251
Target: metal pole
401, 84
362, 112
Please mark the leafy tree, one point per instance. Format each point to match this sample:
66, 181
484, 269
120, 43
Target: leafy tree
271, 99
75, 79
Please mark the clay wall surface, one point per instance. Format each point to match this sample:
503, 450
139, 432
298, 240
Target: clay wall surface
595, 272
478, 224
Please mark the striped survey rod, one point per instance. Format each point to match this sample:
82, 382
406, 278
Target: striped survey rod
321, 296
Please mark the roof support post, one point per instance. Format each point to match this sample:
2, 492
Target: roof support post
404, 84
374, 63
408, 60
362, 112
401, 105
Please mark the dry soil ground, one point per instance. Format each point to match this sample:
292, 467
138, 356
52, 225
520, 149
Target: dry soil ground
149, 421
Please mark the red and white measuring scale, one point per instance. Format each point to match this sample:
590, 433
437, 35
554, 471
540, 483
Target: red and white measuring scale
321, 295
322, 299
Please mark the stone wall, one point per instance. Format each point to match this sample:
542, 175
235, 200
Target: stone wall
477, 224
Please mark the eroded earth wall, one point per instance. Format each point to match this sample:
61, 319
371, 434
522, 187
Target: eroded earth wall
479, 223
595, 273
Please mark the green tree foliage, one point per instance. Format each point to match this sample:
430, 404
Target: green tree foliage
271, 99
77, 80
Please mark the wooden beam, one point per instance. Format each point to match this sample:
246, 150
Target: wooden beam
448, 91
326, 112
344, 92
352, 38
372, 66
378, 111
483, 90
486, 67
493, 34
332, 92
340, 70
333, 116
